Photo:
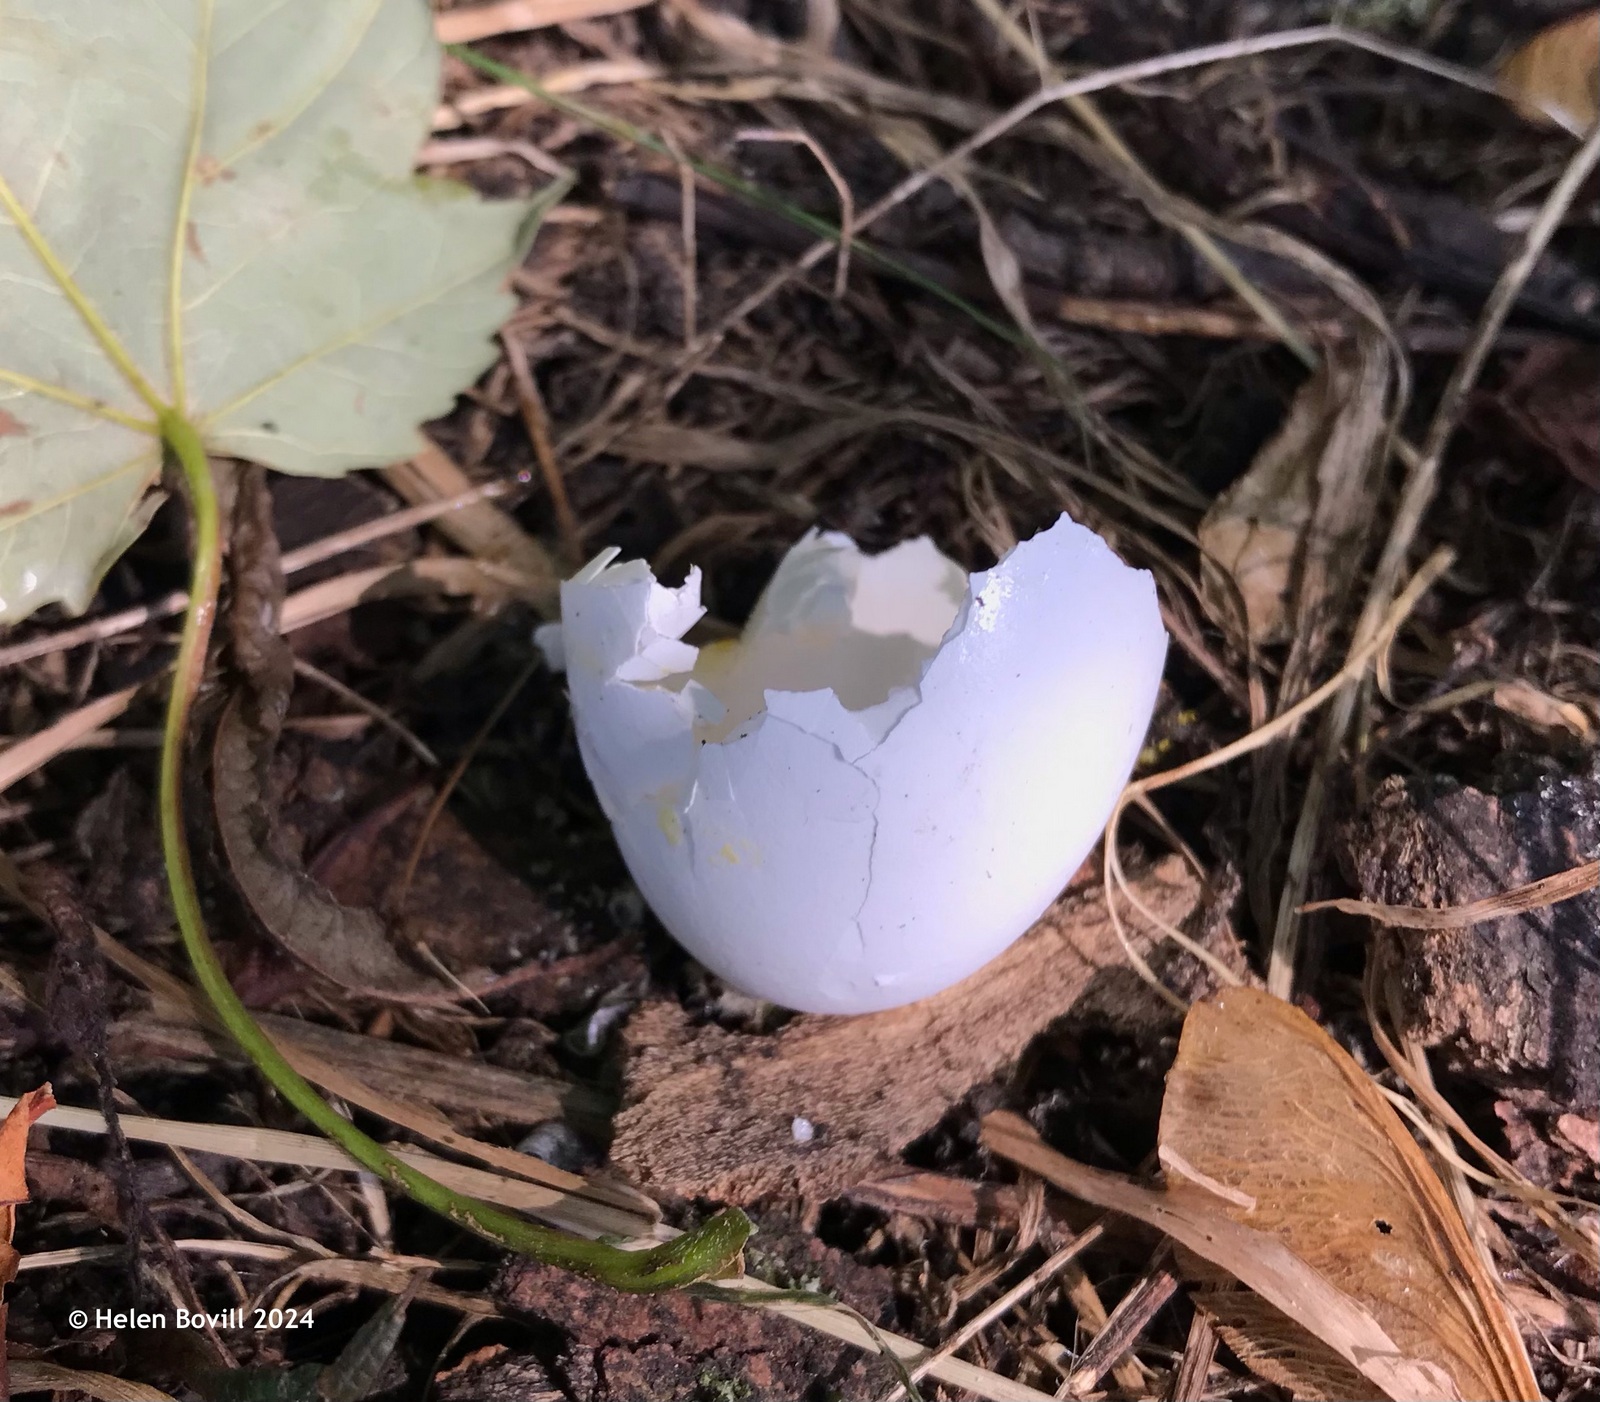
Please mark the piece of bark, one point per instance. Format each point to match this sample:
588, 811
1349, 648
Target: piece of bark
1513, 1002
715, 1114
495, 1374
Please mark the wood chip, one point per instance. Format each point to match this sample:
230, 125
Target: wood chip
713, 1113
1512, 999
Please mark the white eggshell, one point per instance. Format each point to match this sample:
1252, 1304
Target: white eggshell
888, 778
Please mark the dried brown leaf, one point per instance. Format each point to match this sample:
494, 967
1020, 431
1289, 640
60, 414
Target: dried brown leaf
1265, 1104
1558, 69
1201, 1221
1274, 1347
14, 1143
342, 943
14, 1183
1286, 537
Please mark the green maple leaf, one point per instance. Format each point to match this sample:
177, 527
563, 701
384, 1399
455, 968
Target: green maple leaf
208, 206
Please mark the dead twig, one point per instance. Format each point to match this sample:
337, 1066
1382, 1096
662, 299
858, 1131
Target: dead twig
1128, 1321
537, 423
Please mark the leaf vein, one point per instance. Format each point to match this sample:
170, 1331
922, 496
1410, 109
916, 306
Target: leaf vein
355, 337
313, 92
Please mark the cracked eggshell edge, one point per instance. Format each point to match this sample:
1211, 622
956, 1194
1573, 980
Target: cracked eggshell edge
838, 861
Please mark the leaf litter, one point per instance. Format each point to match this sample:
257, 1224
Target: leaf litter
349, 945
930, 425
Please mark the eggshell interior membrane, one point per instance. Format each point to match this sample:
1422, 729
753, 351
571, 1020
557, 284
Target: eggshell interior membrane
890, 775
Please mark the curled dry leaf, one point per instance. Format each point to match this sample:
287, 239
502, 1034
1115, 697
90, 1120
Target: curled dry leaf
1288, 1169
1264, 1102
342, 943
1286, 537
1198, 1219
13, 1147
14, 1189
1558, 71
1274, 1347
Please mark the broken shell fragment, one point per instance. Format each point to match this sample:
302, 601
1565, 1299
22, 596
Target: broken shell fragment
887, 778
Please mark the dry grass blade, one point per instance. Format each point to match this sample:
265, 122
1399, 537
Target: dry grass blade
458, 770
1534, 895
435, 574
468, 23
204, 1246
276, 1146
23, 758
1040, 1276
36, 1375
391, 1278
477, 578
485, 532
1159, 201
537, 423
580, 77
312, 673
1116, 882
169, 605
429, 510
1546, 1205
313, 1051
850, 1328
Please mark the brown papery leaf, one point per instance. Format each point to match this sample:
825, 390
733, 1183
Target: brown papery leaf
1287, 536
342, 943
1274, 1347
14, 1183
1558, 68
1262, 1103
14, 1145
1202, 1221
